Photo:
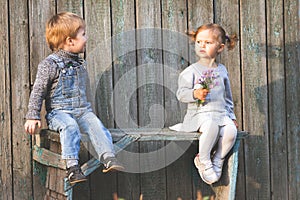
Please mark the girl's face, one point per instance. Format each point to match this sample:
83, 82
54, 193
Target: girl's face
207, 45
77, 45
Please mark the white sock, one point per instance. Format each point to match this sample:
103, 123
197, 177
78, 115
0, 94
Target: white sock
107, 155
71, 162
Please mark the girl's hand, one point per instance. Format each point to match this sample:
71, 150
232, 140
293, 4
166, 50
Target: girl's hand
201, 94
235, 123
30, 125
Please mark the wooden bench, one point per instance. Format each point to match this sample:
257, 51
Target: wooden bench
58, 187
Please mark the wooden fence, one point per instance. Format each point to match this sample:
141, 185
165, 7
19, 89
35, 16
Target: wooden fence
264, 72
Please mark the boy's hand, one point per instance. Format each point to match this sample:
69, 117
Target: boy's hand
30, 125
201, 94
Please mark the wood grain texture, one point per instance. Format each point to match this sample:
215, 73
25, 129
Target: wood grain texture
39, 14
125, 90
292, 91
99, 59
6, 156
276, 85
232, 60
199, 12
253, 51
19, 57
150, 94
264, 79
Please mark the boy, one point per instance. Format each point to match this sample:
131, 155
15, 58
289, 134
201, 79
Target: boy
61, 82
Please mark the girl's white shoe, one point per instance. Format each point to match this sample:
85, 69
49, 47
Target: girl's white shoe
217, 166
206, 171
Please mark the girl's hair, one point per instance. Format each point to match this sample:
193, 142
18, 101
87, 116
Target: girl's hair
61, 26
219, 32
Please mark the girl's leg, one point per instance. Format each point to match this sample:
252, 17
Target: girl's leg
226, 141
207, 141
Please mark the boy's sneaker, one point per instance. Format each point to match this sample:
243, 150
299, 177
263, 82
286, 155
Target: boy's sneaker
207, 173
112, 164
75, 175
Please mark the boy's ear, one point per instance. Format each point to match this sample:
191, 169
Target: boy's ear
69, 41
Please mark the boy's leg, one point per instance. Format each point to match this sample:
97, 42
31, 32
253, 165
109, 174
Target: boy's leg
70, 142
101, 140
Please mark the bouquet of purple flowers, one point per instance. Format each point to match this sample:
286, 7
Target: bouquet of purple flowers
206, 81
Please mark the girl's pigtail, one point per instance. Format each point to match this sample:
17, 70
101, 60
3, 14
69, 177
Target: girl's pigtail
192, 35
231, 41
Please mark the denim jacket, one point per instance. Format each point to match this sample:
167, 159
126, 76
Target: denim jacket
61, 81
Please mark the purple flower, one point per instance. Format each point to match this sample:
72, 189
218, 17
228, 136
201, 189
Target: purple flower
207, 81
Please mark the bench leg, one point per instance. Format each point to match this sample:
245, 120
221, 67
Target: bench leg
68, 189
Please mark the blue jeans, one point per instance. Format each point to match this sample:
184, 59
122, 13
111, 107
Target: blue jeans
71, 123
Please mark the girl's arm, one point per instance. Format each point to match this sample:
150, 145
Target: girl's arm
228, 99
185, 92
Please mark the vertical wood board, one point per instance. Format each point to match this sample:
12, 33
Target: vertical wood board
38, 16
6, 156
231, 59
125, 92
292, 54
98, 20
19, 57
276, 85
253, 49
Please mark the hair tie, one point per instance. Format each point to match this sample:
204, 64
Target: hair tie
227, 37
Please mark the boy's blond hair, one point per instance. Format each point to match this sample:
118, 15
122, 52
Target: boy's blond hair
61, 26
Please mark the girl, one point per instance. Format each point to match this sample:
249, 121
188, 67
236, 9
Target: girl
205, 87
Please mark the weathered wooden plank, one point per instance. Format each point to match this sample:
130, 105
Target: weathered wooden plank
144, 134
255, 114
150, 96
98, 19
199, 12
82, 190
6, 181
292, 65
125, 90
19, 57
39, 13
175, 56
231, 59
70, 6
98, 56
124, 64
276, 85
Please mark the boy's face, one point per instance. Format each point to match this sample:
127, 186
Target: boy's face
76, 45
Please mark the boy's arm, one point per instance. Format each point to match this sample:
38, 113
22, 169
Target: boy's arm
30, 125
45, 74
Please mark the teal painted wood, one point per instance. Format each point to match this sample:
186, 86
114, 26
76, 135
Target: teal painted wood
234, 170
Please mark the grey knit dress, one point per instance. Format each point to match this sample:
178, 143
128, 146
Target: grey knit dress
218, 105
